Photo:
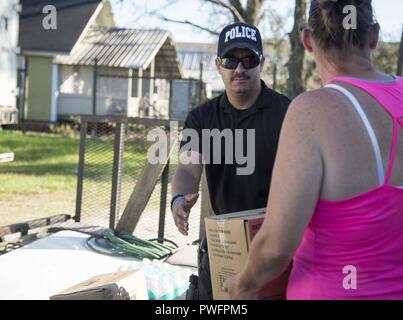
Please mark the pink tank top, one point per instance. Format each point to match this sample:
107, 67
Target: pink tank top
353, 249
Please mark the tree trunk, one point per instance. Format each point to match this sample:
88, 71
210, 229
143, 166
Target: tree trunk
274, 76
252, 12
400, 60
296, 63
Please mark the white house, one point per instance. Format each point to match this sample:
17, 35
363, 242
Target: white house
192, 56
86, 56
9, 10
133, 67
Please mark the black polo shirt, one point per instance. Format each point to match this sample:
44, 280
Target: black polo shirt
229, 190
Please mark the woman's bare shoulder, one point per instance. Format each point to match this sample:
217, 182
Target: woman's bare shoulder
317, 99
320, 103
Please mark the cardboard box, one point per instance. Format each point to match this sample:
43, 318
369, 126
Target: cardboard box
127, 285
228, 240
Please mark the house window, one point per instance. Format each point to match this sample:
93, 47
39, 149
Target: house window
135, 87
4, 23
161, 88
135, 82
146, 87
76, 80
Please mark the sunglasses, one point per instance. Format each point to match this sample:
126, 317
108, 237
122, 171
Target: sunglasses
249, 62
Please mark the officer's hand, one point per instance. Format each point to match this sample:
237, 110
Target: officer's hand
181, 209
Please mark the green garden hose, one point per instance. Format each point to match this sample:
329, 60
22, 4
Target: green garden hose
124, 244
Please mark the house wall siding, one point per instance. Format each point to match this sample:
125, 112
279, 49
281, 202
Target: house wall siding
105, 16
39, 89
75, 90
8, 57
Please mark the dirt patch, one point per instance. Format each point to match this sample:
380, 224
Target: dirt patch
21, 208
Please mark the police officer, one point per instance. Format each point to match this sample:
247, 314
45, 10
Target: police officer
248, 115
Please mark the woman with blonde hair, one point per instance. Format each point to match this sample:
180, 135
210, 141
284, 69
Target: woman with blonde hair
336, 201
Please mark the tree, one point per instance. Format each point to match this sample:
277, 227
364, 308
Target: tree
277, 48
385, 57
400, 59
254, 12
258, 13
251, 12
296, 62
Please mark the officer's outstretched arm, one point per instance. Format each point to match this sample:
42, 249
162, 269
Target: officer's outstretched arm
185, 186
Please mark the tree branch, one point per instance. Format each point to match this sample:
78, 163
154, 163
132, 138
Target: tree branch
187, 22
253, 8
238, 6
167, 5
250, 14
234, 7
261, 16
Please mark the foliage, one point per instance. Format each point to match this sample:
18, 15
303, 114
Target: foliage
385, 57
69, 128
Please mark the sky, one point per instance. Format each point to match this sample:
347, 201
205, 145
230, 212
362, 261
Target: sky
135, 14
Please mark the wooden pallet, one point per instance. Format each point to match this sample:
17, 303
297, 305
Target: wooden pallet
19, 234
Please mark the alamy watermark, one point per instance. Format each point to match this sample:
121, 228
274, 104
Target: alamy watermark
217, 147
49, 22
350, 280
350, 20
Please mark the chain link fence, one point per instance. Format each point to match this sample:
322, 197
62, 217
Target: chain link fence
119, 112
113, 154
114, 149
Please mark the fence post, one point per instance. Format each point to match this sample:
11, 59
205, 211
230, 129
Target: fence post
80, 174
163, 203
22, 93
117, 171
94, 96
171, 81
94, 88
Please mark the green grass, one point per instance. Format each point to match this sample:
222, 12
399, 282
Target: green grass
42, 162
42, 179
47, 162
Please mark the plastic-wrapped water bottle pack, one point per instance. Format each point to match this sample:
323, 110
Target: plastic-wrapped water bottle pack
164, 281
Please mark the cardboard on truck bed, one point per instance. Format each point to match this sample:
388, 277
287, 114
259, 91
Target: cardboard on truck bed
127, 285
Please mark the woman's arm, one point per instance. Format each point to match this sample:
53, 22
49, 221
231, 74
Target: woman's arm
294, 192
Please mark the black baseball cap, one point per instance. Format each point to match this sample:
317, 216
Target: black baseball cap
239, 36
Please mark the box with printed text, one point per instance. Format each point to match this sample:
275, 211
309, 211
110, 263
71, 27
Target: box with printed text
228, 239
